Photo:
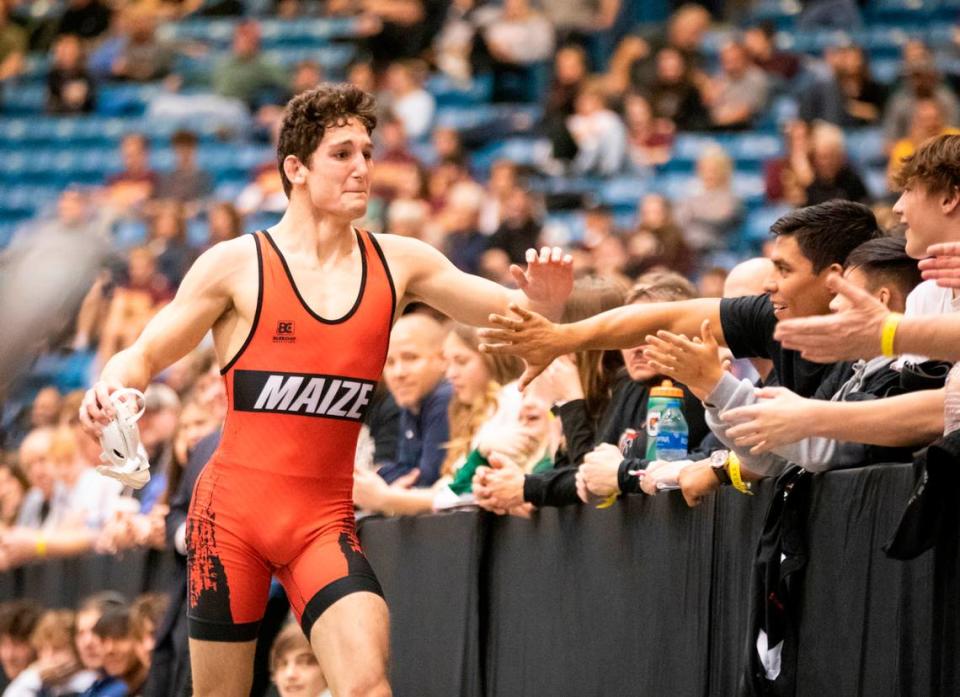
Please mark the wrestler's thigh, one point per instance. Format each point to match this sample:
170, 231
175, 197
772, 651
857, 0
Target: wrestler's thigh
351, 640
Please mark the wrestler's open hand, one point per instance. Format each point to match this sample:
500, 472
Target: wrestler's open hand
547, 280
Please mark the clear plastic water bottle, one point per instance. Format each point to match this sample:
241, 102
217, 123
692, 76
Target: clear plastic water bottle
672, 435
951, 402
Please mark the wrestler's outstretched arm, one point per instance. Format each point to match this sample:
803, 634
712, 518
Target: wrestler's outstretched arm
202, 298
423, 274
539, 341
427, 276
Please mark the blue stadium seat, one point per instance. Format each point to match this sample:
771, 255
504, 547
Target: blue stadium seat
886, 70
24, 99
198, 231
260, 221
750, 188
201, 30
228, 188
523, 151
575, 186
675, 186
813, 42
508, 118
940, 34
625, 191
758, 221
274, 33
564, 228
21, 132
865, 146
332, 58
875, 179
314, 31
125, 99
449, 92
898, 10
782, 12
129, 233
755, 147
36, 66
887, 42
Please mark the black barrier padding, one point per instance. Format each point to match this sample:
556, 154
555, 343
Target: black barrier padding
738, 523
646, 598
945, 678
129, 575
601, 602
864, 619
9, 586
429, 570
45, 583
65, 582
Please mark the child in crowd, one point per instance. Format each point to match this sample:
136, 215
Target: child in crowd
295, 669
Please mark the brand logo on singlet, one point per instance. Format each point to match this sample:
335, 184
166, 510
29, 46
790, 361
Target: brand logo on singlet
285, 332
329, 396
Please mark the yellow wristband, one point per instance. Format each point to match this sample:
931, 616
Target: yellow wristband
888, 333
733, 469
609, 501
41, 547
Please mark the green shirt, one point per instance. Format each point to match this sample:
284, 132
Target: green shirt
13, 39
244, 79
463, 480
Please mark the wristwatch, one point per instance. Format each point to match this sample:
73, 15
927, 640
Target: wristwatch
718, 463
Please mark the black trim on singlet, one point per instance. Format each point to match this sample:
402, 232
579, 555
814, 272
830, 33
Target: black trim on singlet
256, 314
222, 631
334, 591
293, 284
386, 269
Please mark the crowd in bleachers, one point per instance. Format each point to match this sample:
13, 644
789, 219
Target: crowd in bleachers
133, 136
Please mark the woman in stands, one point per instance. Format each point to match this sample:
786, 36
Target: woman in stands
482, 397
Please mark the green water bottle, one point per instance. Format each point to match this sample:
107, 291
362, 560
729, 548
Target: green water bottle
661, 399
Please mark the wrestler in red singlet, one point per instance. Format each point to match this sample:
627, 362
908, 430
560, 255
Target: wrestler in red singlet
276, 498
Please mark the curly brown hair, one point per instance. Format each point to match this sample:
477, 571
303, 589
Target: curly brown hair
311, 113
935, 166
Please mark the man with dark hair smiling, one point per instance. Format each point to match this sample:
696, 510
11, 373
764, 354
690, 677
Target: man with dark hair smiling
810, 244
882, 268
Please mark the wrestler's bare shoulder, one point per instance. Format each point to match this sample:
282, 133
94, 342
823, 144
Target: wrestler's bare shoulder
407, 256
228, 265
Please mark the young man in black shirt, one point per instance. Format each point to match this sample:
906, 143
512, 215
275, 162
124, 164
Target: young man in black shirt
811, 243
881, 267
